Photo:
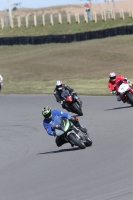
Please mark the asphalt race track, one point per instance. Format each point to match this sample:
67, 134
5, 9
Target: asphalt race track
33, 168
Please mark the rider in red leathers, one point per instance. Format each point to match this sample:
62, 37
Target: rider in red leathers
113, 79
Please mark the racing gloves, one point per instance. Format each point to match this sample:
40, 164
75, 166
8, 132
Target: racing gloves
113, 92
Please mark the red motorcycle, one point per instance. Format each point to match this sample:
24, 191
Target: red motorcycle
72, 102
125, 91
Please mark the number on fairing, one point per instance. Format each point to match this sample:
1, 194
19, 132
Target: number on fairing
123, 88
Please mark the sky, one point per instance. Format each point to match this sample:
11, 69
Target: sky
42, 3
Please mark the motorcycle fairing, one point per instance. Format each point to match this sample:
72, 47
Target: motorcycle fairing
60, 125
69, 98
123, 88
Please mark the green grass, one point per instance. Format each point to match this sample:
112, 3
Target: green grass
81, 86
64, 28
85, 66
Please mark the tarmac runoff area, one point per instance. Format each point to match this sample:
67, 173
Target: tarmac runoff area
32, 167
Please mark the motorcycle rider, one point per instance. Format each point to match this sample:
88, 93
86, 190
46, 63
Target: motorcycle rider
1, 82
59, 89
49, 116
113, 79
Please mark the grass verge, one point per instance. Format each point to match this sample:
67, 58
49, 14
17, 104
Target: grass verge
65, 28
82, 65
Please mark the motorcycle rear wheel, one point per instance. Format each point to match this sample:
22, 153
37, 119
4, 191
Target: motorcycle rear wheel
76, 141
130, 97
77, 109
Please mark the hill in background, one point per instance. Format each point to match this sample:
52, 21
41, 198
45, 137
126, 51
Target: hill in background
125, 5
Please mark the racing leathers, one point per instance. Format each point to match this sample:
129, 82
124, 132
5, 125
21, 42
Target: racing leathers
59, 96
112, 86
47, 123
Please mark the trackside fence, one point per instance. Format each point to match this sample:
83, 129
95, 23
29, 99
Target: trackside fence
67, 38
60, 18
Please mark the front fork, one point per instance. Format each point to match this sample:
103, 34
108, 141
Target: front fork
77, 99
124, 98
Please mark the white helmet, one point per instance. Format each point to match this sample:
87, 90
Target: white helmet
59, 85
112, 75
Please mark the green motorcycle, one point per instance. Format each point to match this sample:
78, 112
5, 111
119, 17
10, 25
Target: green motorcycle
65, 129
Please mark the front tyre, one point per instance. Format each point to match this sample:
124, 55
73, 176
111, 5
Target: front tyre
77, 109
76, 141
130, 97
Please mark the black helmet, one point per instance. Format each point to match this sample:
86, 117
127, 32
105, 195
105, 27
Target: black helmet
46, 112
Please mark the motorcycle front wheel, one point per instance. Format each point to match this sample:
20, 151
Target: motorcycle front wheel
76, 141
77, 109
130, 97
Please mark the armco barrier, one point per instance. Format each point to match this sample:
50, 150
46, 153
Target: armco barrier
66, 38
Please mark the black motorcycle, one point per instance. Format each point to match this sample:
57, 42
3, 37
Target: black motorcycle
72, 102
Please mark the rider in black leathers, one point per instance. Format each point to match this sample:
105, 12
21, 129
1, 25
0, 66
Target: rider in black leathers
60, 87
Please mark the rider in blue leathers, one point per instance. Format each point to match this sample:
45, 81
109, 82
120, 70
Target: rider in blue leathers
47, 122
50, 115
